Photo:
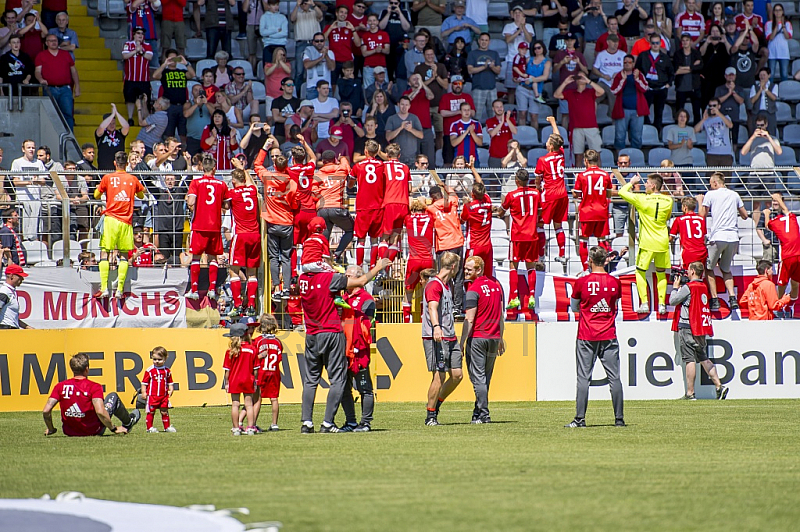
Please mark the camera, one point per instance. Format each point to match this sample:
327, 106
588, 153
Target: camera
680, 272
346, 113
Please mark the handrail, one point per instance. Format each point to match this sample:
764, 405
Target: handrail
10, 95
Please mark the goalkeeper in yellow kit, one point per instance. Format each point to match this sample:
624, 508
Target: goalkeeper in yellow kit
655, 210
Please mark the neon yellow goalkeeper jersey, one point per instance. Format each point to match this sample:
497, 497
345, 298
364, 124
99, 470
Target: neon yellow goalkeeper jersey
654, 211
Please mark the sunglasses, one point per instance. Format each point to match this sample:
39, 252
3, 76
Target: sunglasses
288, 84
423, 163
238, 73
652, 43
318, 41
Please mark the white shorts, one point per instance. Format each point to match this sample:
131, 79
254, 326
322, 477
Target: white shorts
584, 138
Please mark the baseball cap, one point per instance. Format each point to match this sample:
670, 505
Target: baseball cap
456, 79
337, 132
316, 224
516, 7
570, 36
730, 20
237, 330
523, 44
249, 321
730, 70
15, 269
379, 70
305, 103
459, 3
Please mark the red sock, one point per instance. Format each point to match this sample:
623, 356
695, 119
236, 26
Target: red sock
194, 275
360, 249
383, 248
406, 313
236, 291
149, 420
583, 249
513, 281
212, 276
373, 256
165, 420
562, 240
532, 282
542, 242
605, 244
252, 290
393, 251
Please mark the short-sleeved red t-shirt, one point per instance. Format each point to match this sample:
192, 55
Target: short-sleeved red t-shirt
244, 208
209, 193
523, 204
370, 177
398, 177
786, 229
551, 168
486, 296
478, 215
419, 227
594, 185
691, 228
598, 294
78, 417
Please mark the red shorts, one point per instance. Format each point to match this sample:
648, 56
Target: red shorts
208, 242
413, 267
689, 258
598, 229
556, 211
393, 216
246, 250
526, 251
484, 252
789, 268
270, 384
369, 222
301, 220
156, 403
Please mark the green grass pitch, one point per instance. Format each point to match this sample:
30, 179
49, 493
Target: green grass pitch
704, 465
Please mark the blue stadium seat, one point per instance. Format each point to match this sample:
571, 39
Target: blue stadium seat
603, 116
245, 65
259, 91
534, 154
664, 132
636, 155
795, 66
787, 158
608, 133
794, 49
791, 135
527, 136
650, 136
202, 65
607, 158
195, 49
548, 130
699, 157
783, 113
657, 155
789, 90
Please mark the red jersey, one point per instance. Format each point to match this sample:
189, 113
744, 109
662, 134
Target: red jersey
690, 24
331, 184
485, 295
269, 351
598, 294
315, 249
145, 258
452, 102
303, 175
317, 291
419, 228
478, 215
786, 229
398, 181
137, 67
241, 369
370, 177
691, 229
551, 168
373, 41
74, 396
523, 204
358, 320
594, 184
340, 41
755, 22
120, 189
498, 147
209, 193
520, 63
244, 209
699, 311
222, 149
157, 381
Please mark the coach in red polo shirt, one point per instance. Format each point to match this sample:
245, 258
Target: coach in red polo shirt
55, 68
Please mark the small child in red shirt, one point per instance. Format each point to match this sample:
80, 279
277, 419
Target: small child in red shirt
157, 388
269, 351
241, 366
316, 256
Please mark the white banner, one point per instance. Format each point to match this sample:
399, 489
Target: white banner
60, 298
756, 360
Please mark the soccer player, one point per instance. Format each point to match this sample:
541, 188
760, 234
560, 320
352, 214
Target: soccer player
120, 189
205, 199
245, 252
593, 187
786, 228
419, 225
302, 172
482, 334
691, 229
370, 177
442, 351
357, 323
280, 202
157, 388
447, 227
523, 204
83, 411
331, 206
595, 297
478, 215
555, 204
692, 325
395, 200
269, 351
655, 210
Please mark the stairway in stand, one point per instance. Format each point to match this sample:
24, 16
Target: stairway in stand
100, 76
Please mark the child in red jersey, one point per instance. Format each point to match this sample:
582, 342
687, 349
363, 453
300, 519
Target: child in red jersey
157, 388
316, 255
240, 365
269, 351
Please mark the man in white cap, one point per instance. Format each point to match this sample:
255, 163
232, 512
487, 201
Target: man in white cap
334, 143
9, 304
304, 119
731, 97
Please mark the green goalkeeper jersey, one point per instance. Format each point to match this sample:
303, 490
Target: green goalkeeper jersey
654, 211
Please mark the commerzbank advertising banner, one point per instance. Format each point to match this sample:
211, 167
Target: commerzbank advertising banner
755, 359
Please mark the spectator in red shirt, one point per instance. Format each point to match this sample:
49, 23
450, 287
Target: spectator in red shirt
594, 298
83, 410
32, 37
56, 69
143, 252
421, 95
501, 127
172, 25
583, 109
613, 29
